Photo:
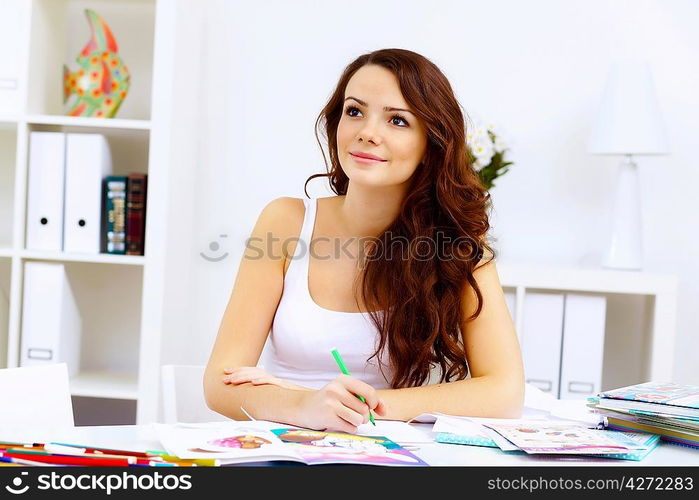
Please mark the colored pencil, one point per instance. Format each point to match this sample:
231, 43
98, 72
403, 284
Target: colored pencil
21, 461
7, 462
69, 460
206, 462
77, 452
20, 447
107, 451
17, 445
343, 369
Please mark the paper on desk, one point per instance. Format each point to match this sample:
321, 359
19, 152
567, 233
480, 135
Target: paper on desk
538, 401
397, 431
538, 436
470, 432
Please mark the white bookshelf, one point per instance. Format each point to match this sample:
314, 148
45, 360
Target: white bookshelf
641, 313
117, 294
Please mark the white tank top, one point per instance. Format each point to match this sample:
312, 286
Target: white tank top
303, 333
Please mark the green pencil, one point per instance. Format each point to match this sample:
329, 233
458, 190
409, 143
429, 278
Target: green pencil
344, 370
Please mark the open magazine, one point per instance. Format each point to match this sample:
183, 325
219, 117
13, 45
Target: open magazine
241, 442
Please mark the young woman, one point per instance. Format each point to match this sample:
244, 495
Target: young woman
394, 272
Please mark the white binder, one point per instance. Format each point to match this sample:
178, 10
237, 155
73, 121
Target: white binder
45, 191
88, 162
583, 345
542, 328
11, 36
4, 326
51, 320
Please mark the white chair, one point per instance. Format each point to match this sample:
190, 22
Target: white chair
36, 396
183, 395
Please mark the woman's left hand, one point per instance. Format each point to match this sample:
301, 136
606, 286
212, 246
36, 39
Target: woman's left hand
256, 376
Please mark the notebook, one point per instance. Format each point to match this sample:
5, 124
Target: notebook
669, 398
668, 409
552, 437
261, 441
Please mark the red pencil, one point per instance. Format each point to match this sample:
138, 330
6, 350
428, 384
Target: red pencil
71, 460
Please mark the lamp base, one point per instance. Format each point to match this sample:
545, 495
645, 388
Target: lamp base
625, 249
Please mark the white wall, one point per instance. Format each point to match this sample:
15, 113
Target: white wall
535, 68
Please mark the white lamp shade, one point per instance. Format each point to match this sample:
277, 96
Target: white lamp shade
628, 120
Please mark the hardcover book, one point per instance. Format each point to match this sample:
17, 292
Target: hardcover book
136, 213
115, 196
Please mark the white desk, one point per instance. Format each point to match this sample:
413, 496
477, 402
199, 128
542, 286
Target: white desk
142, 437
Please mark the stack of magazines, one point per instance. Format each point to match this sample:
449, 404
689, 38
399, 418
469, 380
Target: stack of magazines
668, 409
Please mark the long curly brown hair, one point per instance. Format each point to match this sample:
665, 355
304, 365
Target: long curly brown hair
415, 303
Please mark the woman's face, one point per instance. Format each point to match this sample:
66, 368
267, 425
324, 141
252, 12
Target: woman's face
394, 135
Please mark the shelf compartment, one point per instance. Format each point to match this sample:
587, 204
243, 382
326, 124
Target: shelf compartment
60, 30
113, 385
129, 147
5, 277
108, 300
8, 147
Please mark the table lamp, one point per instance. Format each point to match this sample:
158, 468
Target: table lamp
628, 124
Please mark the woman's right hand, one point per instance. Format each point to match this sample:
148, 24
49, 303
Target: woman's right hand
337, 407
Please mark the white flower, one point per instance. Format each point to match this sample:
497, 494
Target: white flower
480, 163
484, 141
482, 146
500, 144
480, 131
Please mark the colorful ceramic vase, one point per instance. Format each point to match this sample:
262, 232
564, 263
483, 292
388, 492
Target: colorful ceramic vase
103, 80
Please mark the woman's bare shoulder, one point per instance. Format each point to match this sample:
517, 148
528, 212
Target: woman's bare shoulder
283, 215
279, 226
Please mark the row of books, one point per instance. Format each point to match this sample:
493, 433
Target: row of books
76, 203
670, 410
125, 207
